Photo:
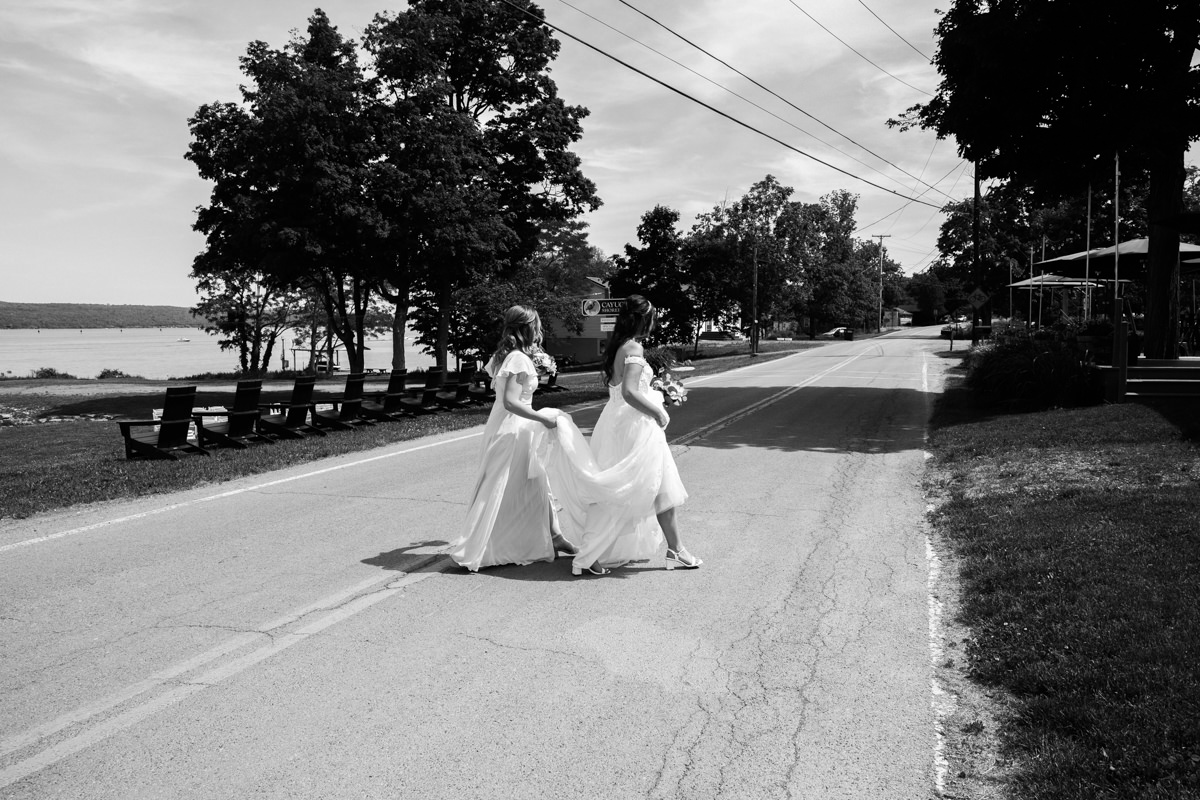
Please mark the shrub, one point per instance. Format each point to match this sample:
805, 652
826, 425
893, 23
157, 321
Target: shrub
115, 373
51, 372
1036, 372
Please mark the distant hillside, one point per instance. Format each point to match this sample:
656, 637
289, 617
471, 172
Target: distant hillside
87, 315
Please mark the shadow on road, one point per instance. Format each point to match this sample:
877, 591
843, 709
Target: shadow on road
402, 559
834, 419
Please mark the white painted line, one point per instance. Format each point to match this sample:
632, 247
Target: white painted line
131, 717
233, 492
941, 702
84, 713
729, 419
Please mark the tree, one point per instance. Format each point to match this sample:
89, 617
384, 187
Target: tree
482, 65
1094, 80
291, 167
245, 309
656, 271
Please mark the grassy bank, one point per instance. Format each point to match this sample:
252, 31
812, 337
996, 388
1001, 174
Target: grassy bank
1078, 537
55, 465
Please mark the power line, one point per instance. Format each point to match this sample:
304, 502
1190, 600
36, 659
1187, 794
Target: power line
911, 200
893, 30
860, 55
742, 97
713, 109
765, 89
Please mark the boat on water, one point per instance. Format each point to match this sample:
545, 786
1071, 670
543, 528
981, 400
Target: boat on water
182, 339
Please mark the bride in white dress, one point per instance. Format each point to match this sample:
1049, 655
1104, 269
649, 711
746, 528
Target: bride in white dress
630, 440
511, 518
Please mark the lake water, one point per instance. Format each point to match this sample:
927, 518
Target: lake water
156, 353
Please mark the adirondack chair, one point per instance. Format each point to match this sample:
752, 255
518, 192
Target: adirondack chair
480, 389
173, 427
347, 409
388, 405
455, 391
424, 399
291, 421
240, 424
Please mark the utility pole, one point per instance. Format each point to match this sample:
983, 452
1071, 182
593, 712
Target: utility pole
879, 318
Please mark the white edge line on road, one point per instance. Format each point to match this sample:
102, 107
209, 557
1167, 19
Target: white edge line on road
231, 493
131, 717
941, 701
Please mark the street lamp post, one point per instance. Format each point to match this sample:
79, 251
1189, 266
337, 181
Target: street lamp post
879, 317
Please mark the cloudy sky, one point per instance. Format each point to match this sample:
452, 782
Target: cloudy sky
97, 202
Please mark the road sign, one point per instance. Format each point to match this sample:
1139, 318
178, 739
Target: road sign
978, 298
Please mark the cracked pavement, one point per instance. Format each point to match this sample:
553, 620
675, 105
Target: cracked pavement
310, 640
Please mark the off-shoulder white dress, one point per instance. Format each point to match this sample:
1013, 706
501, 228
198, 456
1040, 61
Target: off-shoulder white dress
628, 443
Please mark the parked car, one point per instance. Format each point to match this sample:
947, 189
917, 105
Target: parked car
836, 333
958, 329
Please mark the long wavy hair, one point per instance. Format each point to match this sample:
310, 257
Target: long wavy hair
520, 329
636, 319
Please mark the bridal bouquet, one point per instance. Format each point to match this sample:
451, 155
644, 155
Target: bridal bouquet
544, 363
661, 360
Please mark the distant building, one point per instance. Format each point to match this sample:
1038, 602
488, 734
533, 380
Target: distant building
588, 345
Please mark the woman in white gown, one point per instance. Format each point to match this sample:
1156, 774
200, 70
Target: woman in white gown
511, 518
630, 440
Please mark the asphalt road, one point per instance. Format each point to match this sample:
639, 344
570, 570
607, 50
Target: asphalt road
301, 635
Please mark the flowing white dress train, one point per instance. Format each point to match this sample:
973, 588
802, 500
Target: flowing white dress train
509, 517
631, 450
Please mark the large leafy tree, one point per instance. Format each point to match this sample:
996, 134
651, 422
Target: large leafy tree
482, 67
656, 270
1093, 80
291, 166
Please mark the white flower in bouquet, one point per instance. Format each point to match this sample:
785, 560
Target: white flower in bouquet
661, 360
544, 363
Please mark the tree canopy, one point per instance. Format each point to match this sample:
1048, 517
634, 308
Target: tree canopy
1048, 93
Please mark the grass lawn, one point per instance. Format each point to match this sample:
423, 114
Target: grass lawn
55, 465
1077, 533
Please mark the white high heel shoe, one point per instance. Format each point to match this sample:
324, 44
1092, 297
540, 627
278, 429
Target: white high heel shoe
682, 558
594, 569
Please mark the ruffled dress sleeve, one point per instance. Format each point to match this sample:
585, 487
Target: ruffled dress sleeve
516, 363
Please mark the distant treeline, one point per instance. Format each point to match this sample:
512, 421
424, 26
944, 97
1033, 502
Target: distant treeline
88, 315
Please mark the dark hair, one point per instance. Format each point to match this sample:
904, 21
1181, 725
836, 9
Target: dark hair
637, 318
521, 329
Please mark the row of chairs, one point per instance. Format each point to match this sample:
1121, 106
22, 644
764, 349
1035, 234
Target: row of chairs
247, 420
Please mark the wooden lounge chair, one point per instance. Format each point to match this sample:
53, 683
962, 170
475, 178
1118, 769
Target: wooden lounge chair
241, 420
455, 391
347, 409
480, 388
388, 405
424, 400
173, 428
291, 421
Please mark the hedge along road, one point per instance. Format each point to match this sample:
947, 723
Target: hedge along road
300, 634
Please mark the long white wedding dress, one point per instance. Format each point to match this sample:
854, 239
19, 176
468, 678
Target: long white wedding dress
509, 517
631, 451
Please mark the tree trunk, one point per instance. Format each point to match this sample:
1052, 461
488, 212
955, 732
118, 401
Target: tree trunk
399, 323
1162, 263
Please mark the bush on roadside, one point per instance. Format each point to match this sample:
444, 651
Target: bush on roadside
1034, 372
51, 372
